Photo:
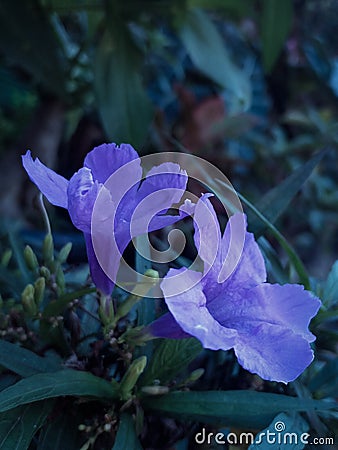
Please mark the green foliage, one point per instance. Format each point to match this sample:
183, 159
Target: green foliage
40, 55
330, 289
24, 362
242, 409
50, 385
123, 104
276, 201
19, 425
294, 423
170, 357
60, 434
324, 383
199, 36
126, 436
276, 20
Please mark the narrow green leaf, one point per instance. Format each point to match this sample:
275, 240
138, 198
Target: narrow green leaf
49, 385
246, 409
126, 437
276, 20
330, 291
276, 201
288, 428
206, 49
145, 308
171, 356
57, 306
122, 101
18, 426
24, 362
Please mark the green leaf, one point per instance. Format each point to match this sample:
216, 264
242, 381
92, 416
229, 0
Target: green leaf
23, 361
122, 101
171, 356
18, 426
61, 434
287, 428
276, 201
126, 437
330, 291
206, 49
243, 409
49, 385
8, 379
325, 382
31, 44
145, 307
57, 306
276, 20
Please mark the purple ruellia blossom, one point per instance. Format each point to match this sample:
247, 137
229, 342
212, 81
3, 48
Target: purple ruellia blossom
78, 196
266, 324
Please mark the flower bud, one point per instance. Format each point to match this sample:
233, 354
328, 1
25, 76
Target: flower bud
106, 311
30, 258
48, 249
39, 290
27, 299
195, 375
131, 376
155, 390
151, 273
6, 257
64, 253
44, 272
60, 279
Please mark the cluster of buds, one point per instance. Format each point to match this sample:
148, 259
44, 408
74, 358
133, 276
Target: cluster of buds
32, 296
50, 273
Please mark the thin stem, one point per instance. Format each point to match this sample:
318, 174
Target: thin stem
44, 213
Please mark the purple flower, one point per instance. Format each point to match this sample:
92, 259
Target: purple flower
266, 324
164, 184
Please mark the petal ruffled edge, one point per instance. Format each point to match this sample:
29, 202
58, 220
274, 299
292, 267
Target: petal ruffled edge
272, 324
290, 304
105, 159
273, 353
52, 185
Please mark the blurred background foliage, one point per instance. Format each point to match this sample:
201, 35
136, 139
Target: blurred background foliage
249, 85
